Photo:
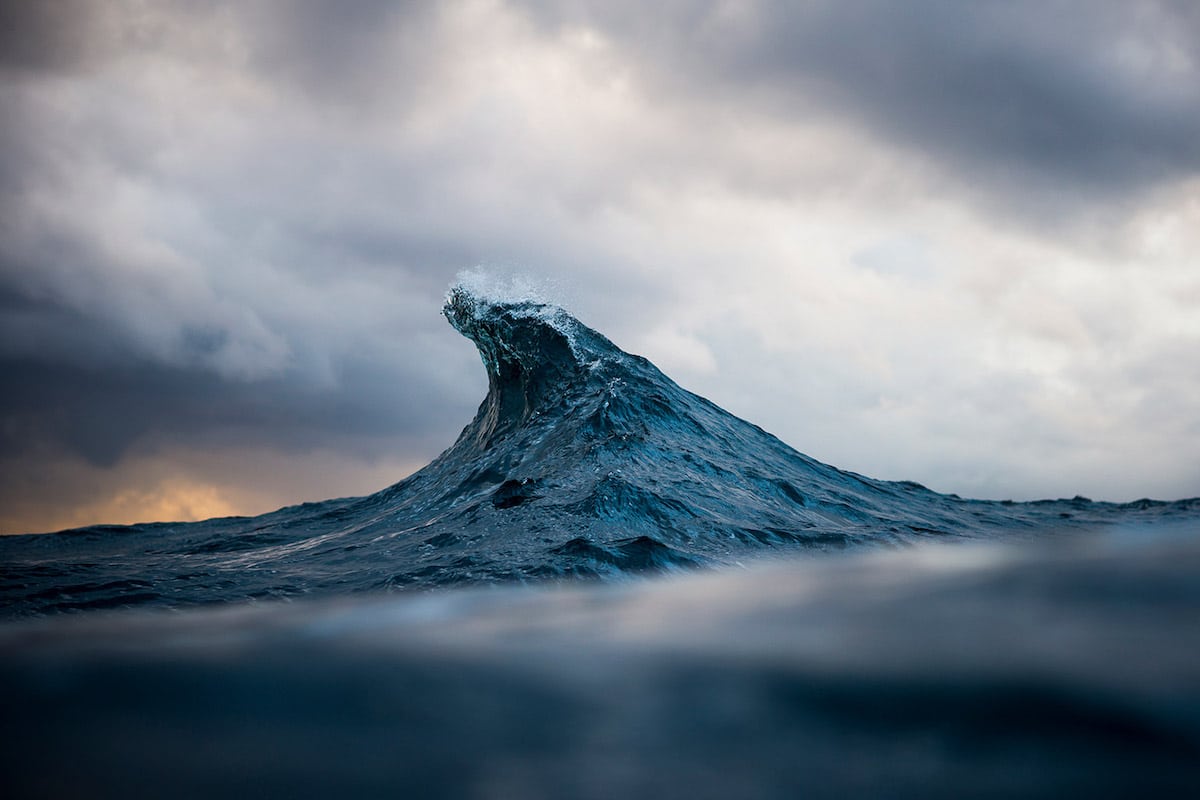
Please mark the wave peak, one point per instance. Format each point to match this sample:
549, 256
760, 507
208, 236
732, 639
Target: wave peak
582, 459
532, 352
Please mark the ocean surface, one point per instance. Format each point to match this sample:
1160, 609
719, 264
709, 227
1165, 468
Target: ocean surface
609, 587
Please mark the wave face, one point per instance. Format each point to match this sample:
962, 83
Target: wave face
583, 460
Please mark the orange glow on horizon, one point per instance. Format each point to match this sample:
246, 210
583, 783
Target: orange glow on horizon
172, 500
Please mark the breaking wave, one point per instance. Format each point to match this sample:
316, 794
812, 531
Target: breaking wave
583, 460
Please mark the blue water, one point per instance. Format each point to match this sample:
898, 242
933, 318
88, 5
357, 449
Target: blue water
816, 632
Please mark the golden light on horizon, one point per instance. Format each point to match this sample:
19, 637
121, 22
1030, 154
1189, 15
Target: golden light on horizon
171, 500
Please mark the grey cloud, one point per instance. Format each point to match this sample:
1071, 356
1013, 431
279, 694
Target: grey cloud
1072, 98
100, 413
55, 35
342, 53
107, 421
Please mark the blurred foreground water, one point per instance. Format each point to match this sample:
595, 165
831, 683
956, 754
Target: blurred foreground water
944, 671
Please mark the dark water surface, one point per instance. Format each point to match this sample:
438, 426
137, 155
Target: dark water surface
937, 672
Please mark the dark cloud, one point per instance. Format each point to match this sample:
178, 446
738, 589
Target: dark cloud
55, 35
342, 53
99, 414
69, 435
1070, 97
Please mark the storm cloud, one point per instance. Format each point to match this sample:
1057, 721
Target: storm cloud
1069, 96
921, 240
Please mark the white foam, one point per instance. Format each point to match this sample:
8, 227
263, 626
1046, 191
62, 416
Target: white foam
498, 286
491, 287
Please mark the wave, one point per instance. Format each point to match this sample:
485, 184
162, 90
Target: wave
582, 460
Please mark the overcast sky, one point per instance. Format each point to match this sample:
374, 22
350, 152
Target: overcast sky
957, 243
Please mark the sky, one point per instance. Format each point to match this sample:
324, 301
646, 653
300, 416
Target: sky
955, 243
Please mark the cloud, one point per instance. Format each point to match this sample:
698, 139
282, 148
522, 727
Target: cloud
1067, 103
56, 35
